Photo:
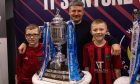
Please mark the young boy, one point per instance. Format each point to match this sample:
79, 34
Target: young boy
103, 66
29, 63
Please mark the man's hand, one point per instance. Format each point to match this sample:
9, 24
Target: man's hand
22, 48
116, 49
16, 81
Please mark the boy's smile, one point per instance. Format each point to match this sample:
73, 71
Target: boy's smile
99, 31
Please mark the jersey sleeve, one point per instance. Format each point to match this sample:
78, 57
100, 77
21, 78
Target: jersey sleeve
117, 62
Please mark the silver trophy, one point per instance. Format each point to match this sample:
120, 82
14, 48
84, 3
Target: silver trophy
58, 35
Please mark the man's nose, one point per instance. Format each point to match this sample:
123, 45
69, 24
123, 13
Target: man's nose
76, 12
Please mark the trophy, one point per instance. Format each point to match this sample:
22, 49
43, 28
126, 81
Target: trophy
58, 36
60, 69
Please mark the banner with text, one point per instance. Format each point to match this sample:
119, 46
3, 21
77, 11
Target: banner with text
117, 14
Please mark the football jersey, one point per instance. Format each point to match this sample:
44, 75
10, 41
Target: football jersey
101, 63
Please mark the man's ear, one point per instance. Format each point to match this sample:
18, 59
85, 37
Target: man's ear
39, 35
83, 12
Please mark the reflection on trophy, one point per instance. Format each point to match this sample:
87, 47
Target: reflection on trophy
58, 36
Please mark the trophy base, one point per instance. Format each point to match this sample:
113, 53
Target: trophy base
57, 75
85, 80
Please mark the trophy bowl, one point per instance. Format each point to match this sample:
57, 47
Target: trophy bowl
58, 32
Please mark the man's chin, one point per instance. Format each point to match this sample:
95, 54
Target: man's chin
77, 21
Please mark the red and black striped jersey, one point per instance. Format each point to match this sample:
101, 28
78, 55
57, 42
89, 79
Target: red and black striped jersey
101, 63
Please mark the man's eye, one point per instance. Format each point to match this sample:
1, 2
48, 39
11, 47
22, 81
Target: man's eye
73, 11
79, 10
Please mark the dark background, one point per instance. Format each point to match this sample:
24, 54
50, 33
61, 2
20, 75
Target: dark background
10, 40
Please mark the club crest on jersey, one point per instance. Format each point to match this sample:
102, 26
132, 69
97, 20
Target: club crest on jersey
108, 57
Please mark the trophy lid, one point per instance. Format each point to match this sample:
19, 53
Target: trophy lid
57, 18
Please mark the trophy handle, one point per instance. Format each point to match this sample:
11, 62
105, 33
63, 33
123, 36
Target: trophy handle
57, 11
